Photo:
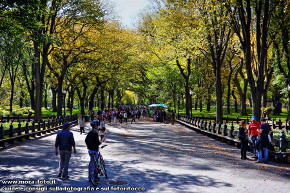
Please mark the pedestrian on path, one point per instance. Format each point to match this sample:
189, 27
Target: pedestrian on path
81, 122
64, 142
244, 139
253, 134
264, 141
102, 129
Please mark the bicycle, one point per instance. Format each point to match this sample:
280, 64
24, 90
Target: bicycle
97, 168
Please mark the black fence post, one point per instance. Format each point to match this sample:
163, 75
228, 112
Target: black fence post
11, 133
33, 129
280, 124
209, 126
1, 132
237, 120
214, 127
38, 128
205, 125
201, 125
48, 126
19, 128
219, 128
225, 132
11, 130
232, 130
44, 127
27, 130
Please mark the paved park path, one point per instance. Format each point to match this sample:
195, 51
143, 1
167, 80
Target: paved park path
149, 156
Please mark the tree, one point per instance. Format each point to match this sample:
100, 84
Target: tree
247, 18
281, 27
217, 36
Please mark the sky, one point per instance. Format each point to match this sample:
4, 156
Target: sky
128, 10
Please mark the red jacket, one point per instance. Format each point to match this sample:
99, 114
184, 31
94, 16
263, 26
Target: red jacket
253, 128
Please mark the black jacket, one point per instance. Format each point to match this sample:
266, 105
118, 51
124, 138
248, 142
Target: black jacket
242, 133
92, 140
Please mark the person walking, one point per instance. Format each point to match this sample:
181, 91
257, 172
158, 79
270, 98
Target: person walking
102, 129
133, 116
64, 143
125, 117
264, 142
244, 139
253, 134
81, 122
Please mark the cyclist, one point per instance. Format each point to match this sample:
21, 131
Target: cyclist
92, 140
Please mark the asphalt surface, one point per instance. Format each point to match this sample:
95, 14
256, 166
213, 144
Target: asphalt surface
142, 157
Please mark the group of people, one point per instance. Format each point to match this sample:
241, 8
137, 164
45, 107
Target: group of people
258, 133
65, 142
122, 114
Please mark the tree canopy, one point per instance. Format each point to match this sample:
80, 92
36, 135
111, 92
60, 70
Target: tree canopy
188, 53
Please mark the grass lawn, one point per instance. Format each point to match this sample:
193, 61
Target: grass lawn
197, 113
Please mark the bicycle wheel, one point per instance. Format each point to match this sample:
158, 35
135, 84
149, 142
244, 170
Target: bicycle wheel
103, 168
93, 174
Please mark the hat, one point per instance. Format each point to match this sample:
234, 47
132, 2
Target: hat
93, 123
66, 125
254, 118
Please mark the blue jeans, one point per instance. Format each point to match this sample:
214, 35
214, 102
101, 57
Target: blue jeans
260, 154
254, 140
64, 162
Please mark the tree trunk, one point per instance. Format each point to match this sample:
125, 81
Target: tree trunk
38, 90
53, 102
92, 99
22, 97
45, 97
187, 97
229, 95
59, 98
71, 98
236, 101
11, 96
196, 102
186, 86
112, 99
277, 104
82, 96
102, 99
208, 103
200, 105
219, 96
288, 114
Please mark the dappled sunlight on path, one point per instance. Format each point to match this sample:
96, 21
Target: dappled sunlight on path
158, 157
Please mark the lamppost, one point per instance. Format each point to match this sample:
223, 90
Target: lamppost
64, 92
191, 93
